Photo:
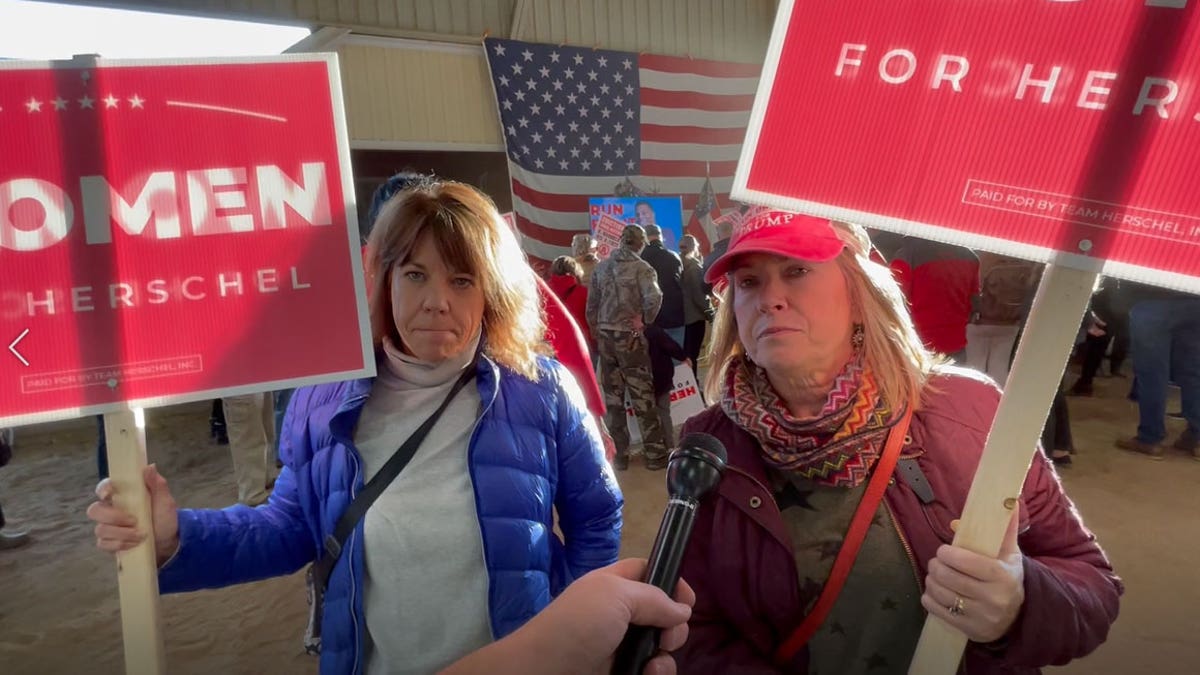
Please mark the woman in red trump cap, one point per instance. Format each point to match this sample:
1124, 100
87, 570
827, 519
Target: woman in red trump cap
851, 451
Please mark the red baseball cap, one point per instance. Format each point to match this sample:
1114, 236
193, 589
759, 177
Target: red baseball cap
792, 235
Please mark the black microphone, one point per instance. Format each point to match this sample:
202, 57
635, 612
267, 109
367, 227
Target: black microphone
692, 472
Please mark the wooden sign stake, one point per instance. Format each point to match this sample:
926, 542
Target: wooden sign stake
137, 568
1058, 309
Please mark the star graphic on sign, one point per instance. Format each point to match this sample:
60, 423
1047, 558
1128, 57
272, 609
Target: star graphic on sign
627, 63
60, 103
86, 102
570, 73
560, 109
527, 55
603, 62
604, 89
595, 127
33, 105
579, 59
585, 139
605, 112
503, 80
549, 124
574, 126
592, 75
538, 163
544, 71
516, 68
888, 603
547, 97
586, 165
111, 101
557, 84
499, 49
537, 138
535, 109
608, 165
554, 57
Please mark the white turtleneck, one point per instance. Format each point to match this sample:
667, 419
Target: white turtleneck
426, 587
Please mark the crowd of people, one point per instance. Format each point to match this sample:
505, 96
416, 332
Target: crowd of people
462, 505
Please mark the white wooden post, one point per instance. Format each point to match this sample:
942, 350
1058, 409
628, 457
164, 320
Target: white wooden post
1058, 308
137, 568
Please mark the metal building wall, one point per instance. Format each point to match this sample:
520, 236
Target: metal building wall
404, 94
725, 30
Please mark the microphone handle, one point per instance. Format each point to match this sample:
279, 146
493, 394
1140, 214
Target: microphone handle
640, 643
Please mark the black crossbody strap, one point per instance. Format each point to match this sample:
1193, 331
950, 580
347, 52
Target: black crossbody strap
379, 482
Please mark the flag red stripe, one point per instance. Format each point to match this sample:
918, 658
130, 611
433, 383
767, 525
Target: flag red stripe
547, 235
569, 203
683, 167
680, 64
658, 133
689, 99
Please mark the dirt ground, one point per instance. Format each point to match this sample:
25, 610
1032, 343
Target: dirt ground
58, 596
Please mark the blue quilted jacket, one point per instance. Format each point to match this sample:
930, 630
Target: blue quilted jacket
534, 450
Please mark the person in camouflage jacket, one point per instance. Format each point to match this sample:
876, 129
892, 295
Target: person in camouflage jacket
624, 297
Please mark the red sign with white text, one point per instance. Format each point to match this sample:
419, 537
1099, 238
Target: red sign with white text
171, 231
1064, 131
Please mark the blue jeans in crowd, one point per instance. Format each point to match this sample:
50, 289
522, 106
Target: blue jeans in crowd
1165, 337
101, 449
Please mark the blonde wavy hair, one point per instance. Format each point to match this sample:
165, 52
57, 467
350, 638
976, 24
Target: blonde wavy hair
472, 237
892, 349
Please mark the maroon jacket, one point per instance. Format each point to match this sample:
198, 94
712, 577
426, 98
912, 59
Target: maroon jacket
741, 565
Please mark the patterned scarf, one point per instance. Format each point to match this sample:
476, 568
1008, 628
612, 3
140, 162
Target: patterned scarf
837, 448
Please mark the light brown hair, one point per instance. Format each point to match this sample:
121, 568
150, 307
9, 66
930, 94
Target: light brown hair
892, 349
471, 236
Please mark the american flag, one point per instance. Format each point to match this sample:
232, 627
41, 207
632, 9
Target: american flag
580, 122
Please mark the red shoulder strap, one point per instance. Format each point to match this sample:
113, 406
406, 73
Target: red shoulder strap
854, 539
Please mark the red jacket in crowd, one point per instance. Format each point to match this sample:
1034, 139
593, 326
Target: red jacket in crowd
938, 281
574, 295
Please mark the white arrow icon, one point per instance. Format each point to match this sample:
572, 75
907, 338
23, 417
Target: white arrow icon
13, 347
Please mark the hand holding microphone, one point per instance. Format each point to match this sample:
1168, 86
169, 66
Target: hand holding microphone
692, 472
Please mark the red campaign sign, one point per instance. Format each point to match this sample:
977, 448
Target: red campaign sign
1064, 131
173, 231
608, 235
